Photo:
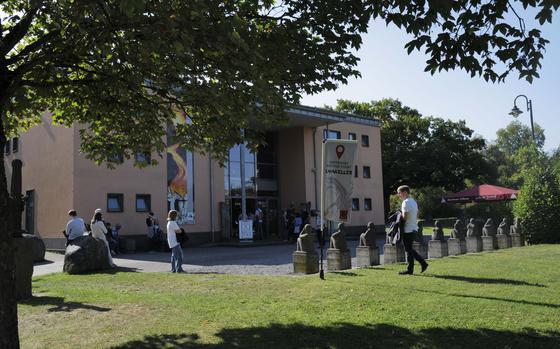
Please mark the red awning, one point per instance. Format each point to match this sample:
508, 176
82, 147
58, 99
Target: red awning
481, 193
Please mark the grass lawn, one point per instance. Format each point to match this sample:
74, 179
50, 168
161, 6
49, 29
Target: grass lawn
503, 299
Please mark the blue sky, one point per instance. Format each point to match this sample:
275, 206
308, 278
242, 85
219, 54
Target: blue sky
387, 71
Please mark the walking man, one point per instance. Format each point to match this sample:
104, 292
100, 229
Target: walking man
409, 210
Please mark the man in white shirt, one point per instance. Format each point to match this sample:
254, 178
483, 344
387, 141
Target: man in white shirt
75, 226
409, 210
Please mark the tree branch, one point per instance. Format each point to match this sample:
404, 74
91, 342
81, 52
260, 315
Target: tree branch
18, 31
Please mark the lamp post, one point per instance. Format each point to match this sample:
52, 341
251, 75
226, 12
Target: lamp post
515, 112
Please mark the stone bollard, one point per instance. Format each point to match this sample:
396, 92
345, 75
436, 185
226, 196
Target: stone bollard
489, 243
23, 258
437, 249
454, 247
474, 244
338, 259
421, 248
516, 240
367, 256
393, 254
503, 241
305, 262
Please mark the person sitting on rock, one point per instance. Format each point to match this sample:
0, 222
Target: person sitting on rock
98, 231
75, 227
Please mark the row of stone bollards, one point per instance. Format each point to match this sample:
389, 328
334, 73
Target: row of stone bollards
471, 238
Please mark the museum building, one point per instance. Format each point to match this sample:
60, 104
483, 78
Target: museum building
210, 199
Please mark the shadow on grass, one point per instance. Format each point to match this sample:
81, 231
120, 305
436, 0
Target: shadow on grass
59, 304
352, 336
485, 280
345, 273
540, 304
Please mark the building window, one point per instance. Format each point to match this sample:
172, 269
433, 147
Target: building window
7, 147
15, 145
143, 203
365, 141
366, 172
367, 204
356, 171
331, 134
355, 204
143, 158
351, 136
115, 202
116, 158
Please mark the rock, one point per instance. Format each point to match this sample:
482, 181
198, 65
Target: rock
86, 254
38, 247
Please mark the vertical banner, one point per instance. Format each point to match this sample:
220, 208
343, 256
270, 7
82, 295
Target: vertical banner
180, 195
337, 175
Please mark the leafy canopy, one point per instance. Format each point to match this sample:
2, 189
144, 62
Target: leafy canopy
421, 151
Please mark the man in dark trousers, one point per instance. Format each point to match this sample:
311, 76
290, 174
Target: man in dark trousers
409, 210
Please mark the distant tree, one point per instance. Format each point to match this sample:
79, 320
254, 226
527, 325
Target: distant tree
508, 153
421, 151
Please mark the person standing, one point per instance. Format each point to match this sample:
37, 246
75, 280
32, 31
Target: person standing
99, 231
259, 223
75, 226
176, 251
409, 210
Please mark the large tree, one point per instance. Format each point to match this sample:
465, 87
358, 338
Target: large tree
119, 67
421, 151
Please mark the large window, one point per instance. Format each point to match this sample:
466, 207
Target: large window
143, 203
115, 202
367, 204
7, 149
351, 136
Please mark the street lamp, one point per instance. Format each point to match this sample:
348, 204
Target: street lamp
515, 112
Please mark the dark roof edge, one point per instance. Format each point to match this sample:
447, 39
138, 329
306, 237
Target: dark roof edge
332, 115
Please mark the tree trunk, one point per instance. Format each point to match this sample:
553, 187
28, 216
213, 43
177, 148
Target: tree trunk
8, 305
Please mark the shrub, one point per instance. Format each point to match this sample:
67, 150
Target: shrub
538, 205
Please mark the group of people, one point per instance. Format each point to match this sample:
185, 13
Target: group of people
294, 221
98, 228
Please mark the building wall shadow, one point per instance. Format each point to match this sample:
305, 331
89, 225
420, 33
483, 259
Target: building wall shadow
346, 335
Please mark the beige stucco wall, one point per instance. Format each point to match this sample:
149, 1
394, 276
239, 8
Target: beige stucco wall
46, 154
363, 187
291, 167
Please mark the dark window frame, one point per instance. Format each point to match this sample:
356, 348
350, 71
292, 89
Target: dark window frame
367, 204
147, 201
120, 201
147, 157
7, 148
352, 136
355, 204
364, 174
365, 141
355, 171
327, 132
15, 145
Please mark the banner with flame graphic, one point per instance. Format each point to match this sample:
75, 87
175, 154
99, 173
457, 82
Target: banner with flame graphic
180, 188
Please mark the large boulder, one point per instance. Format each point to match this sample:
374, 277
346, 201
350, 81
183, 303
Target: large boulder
38, 247
86, 254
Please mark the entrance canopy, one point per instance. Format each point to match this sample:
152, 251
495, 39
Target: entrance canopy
481, 193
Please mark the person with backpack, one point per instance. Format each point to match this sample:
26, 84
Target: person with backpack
176, 251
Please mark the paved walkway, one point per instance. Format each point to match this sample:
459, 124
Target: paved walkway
270, 260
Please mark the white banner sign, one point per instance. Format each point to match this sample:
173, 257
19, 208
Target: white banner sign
245, 229
339, 157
